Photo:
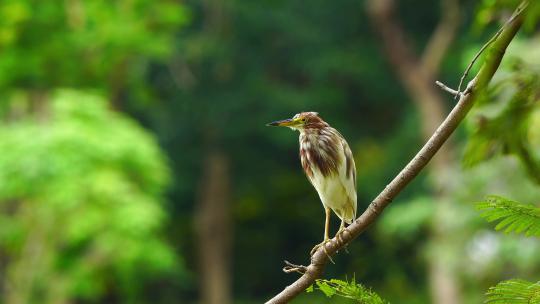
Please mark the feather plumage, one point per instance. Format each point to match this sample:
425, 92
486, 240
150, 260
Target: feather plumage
329, 165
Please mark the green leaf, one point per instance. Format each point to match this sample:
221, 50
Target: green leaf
514, 292
502, 122
513, 216
326, 288
349, 290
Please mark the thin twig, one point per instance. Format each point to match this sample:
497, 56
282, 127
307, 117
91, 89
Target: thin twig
411, 170
301, 269
518, 11
447, 89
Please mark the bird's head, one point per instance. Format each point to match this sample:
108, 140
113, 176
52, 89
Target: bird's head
300, 121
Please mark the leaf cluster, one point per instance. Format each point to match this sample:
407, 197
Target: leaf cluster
347, 289
503, 127
513, 216
519, 218
514, 292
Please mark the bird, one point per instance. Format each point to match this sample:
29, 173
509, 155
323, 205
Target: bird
329, 165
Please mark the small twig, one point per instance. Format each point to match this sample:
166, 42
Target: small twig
448, 89
301, 269
518, 11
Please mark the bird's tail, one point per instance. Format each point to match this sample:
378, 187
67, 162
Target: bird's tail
349, 213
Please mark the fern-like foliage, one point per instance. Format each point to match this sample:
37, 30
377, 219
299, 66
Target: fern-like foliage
350, 290
513, 216
514, 292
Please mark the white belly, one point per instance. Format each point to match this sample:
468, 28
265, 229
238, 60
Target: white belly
333, 195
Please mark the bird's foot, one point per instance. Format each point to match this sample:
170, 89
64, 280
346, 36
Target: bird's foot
323, 245
339, 236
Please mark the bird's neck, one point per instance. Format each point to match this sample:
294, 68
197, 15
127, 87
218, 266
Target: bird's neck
319, 150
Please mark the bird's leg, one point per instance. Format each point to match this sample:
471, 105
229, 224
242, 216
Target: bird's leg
326, 237
341, 227
327, 224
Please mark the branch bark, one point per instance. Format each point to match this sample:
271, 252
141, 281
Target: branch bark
413, 168
417, 75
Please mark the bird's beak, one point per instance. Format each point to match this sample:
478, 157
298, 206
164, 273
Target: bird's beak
282, 123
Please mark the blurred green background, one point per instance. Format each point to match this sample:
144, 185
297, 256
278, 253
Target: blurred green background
135, 165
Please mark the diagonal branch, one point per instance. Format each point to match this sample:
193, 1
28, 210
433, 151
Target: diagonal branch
413, 168
417, 73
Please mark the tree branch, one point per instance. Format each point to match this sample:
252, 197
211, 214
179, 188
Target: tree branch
413, 168
417, 74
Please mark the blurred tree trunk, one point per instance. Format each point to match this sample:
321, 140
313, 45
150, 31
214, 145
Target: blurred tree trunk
214, 229
418, 77
213, 215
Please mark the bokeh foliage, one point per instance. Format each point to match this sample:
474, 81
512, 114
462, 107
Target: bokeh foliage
92, 191
505, 119
83, 187
100, 44
81, 191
